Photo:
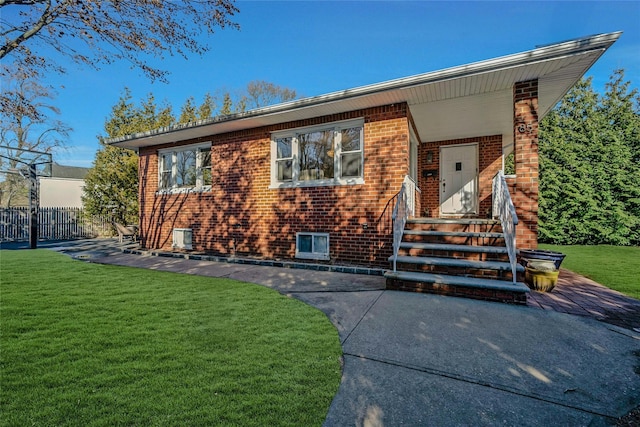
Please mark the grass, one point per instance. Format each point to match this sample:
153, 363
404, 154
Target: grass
617, 267
96, 345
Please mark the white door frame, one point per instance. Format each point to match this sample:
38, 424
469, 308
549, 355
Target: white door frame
456, 205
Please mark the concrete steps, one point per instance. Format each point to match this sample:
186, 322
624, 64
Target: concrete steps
445, 284
461, 257
471, 252
457, 263
453, 234
453, 248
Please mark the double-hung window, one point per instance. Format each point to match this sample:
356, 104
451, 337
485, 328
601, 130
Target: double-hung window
185, 168
284, 159
331, 154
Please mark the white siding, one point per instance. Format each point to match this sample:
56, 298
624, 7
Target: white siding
61, 192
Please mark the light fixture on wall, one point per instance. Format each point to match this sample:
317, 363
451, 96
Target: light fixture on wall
429, 156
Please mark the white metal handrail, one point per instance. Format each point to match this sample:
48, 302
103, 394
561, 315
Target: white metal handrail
399, 218
405, 206
410, 189
504, 209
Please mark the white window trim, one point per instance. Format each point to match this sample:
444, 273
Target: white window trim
313, 255
292, 133
198, 188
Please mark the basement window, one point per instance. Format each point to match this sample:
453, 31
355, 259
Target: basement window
182, 238
312, 246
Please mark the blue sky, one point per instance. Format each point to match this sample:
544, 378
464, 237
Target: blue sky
317, 47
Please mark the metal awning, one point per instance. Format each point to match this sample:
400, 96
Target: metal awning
459, 102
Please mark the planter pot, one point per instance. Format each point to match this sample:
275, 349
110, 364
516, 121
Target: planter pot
540, 264
527, 255
540, 280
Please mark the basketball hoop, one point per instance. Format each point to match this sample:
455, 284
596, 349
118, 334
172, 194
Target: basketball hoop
36, 164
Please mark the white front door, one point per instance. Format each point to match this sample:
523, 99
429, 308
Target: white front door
459, 179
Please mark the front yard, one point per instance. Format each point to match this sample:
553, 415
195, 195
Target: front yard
617, 267
95, 345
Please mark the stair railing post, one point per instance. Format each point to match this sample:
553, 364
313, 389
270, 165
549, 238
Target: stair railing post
504, 209
405, 206
399, 218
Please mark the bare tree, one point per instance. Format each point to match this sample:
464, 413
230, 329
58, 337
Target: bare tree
257, 94
95, 32
27, 123
261, 93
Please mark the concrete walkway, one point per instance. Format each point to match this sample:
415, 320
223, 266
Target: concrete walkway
417, 359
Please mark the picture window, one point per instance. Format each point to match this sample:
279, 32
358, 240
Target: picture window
185, 168
332, 154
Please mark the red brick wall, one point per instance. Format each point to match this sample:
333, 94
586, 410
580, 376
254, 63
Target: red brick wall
242, 216
490, 162
525, 131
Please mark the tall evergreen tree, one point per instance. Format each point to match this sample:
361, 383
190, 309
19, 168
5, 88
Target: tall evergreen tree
111, 186
188, 111
206, 109
153, 115
589, 181
227, 102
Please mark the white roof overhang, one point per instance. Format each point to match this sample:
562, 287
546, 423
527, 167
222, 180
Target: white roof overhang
459, 102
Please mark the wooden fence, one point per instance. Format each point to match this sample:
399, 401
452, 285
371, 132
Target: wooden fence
53, 224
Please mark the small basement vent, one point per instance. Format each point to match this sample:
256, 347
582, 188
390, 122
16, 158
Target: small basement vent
182, 238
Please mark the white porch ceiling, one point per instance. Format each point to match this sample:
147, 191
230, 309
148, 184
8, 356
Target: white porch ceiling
482, 104
460, 102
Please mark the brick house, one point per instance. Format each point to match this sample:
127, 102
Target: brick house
317, 179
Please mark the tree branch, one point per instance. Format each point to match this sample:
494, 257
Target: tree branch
105, 31
39, 25
20, 2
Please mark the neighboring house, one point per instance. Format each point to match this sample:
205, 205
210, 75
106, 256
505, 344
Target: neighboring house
318, 178
63, 188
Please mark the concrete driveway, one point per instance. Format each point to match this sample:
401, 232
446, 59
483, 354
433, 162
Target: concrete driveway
427, 360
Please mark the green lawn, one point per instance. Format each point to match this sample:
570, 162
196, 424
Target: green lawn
94, 345
617, 267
